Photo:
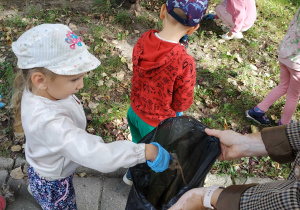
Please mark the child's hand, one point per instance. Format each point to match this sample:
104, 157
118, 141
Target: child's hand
178, 114
161, 163
209, 16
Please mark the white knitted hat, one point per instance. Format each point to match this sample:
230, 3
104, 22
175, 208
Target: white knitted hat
54, 47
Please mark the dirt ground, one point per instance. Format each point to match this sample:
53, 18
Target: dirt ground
22, 5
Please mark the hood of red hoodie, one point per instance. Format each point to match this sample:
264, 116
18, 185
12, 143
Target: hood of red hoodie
153, 53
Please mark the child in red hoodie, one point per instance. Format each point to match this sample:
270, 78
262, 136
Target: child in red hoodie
164, 74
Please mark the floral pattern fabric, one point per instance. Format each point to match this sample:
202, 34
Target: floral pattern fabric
290, 45
52, 195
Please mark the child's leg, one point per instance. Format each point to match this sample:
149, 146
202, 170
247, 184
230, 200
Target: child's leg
138, 127
292, 96
144, 128
278, 91
225, 16
58, 194
135, 133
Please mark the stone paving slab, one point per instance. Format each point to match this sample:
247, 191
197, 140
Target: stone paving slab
92, 193
91, 172
212, 179
3, 176
23, 200
88, 192
252, 180
6, 163
114, 195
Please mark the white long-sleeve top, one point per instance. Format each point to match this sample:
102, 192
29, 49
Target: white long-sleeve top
57, 143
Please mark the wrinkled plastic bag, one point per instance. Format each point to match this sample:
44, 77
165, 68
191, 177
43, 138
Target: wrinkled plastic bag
196, 152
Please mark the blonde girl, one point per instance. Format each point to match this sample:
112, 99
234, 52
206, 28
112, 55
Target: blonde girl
54, 61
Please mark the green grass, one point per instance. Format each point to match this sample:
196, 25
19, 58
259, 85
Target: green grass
258, 48
6, 83
7, 73
16, 21
123, 18
252, 167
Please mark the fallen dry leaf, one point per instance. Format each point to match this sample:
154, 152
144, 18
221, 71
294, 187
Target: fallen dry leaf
100, 83
9, 42
8, 193
109, 83
254, 129
17, 173
93, 105
225, 125
277, 165
91, 130
123, 60
273, 117
16, 148
83, 174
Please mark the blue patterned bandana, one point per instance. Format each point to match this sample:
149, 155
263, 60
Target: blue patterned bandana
194, 10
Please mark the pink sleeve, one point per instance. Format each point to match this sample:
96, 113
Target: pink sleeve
237, 9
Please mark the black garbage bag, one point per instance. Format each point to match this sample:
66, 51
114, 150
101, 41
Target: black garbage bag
195, 151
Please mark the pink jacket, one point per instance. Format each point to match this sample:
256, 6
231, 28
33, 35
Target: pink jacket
243, 13
289, 51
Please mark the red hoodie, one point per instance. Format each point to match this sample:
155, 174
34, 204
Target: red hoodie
163, 79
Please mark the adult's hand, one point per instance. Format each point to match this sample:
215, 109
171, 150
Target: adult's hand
235, 145
191, 200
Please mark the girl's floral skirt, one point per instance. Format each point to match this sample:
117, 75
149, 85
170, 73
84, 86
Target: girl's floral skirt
52, 195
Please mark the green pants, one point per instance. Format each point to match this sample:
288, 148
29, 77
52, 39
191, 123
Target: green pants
138, 127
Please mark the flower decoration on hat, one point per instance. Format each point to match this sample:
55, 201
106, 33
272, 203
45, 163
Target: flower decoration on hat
73, 39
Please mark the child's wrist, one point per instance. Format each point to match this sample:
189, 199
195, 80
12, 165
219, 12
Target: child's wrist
151, 152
